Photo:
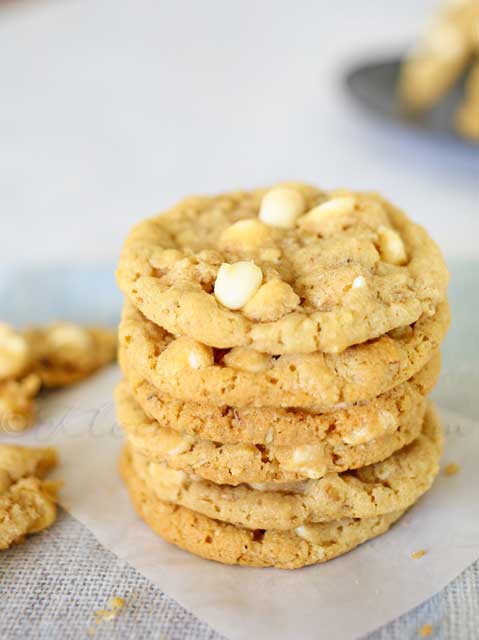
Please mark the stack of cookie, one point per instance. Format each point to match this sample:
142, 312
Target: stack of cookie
278, 347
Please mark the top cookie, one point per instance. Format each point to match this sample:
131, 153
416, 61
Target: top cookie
287, 270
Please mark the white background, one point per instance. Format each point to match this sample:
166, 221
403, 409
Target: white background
110, 110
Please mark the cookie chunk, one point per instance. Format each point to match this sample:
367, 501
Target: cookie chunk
17, 402
190, 371
216, 540
440, 57
64, 353
237, 463
289, 270
27, 501
384, 487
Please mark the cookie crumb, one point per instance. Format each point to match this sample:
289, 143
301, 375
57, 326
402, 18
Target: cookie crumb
418, 554
451, 469
115, 605
425, 631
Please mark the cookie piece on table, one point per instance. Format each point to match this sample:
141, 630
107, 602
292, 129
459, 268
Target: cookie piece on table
64, 353
18, 387
27, 501
17, 403
380, 488
53, 356
289, 270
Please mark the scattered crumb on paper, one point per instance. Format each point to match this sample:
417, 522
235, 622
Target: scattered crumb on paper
418, 554
451, 469
115, 605
425, 630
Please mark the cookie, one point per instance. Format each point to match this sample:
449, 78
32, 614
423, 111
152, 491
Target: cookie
216, 540
467, 115
441, 56
27, 502
64, 353
191, 371
290, 270
237, 463
384, 487
232, 425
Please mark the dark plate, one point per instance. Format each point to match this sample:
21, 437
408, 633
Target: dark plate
374, 85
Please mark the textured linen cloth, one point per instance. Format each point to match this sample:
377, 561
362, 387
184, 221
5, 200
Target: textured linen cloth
51, 587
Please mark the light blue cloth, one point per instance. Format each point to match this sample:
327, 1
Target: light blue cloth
51, 587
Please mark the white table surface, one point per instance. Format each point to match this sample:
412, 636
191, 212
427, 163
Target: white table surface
109, 111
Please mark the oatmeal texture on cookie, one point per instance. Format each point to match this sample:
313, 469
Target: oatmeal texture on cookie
342, 426
286, 270
188, 370
389, 485
238, 463
221, 541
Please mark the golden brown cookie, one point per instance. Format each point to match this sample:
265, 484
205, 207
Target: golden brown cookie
237, 463
440, 57
64, 353
27, 502
275, 426
190, 371
289, 270
384, 487
216, 540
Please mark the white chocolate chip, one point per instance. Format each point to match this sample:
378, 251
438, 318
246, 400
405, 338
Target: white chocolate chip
269, 436
13, 352
359, 435
194, 360
66, 335
388, 420
313, 220
391, 246
312, 534
308, 460
359, 283
281, 206
285, 487
183, 444
237, 283
247, 360
170, 481
187, 353
245, 235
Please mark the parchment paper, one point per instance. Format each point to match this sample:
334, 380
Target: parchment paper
342, 599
